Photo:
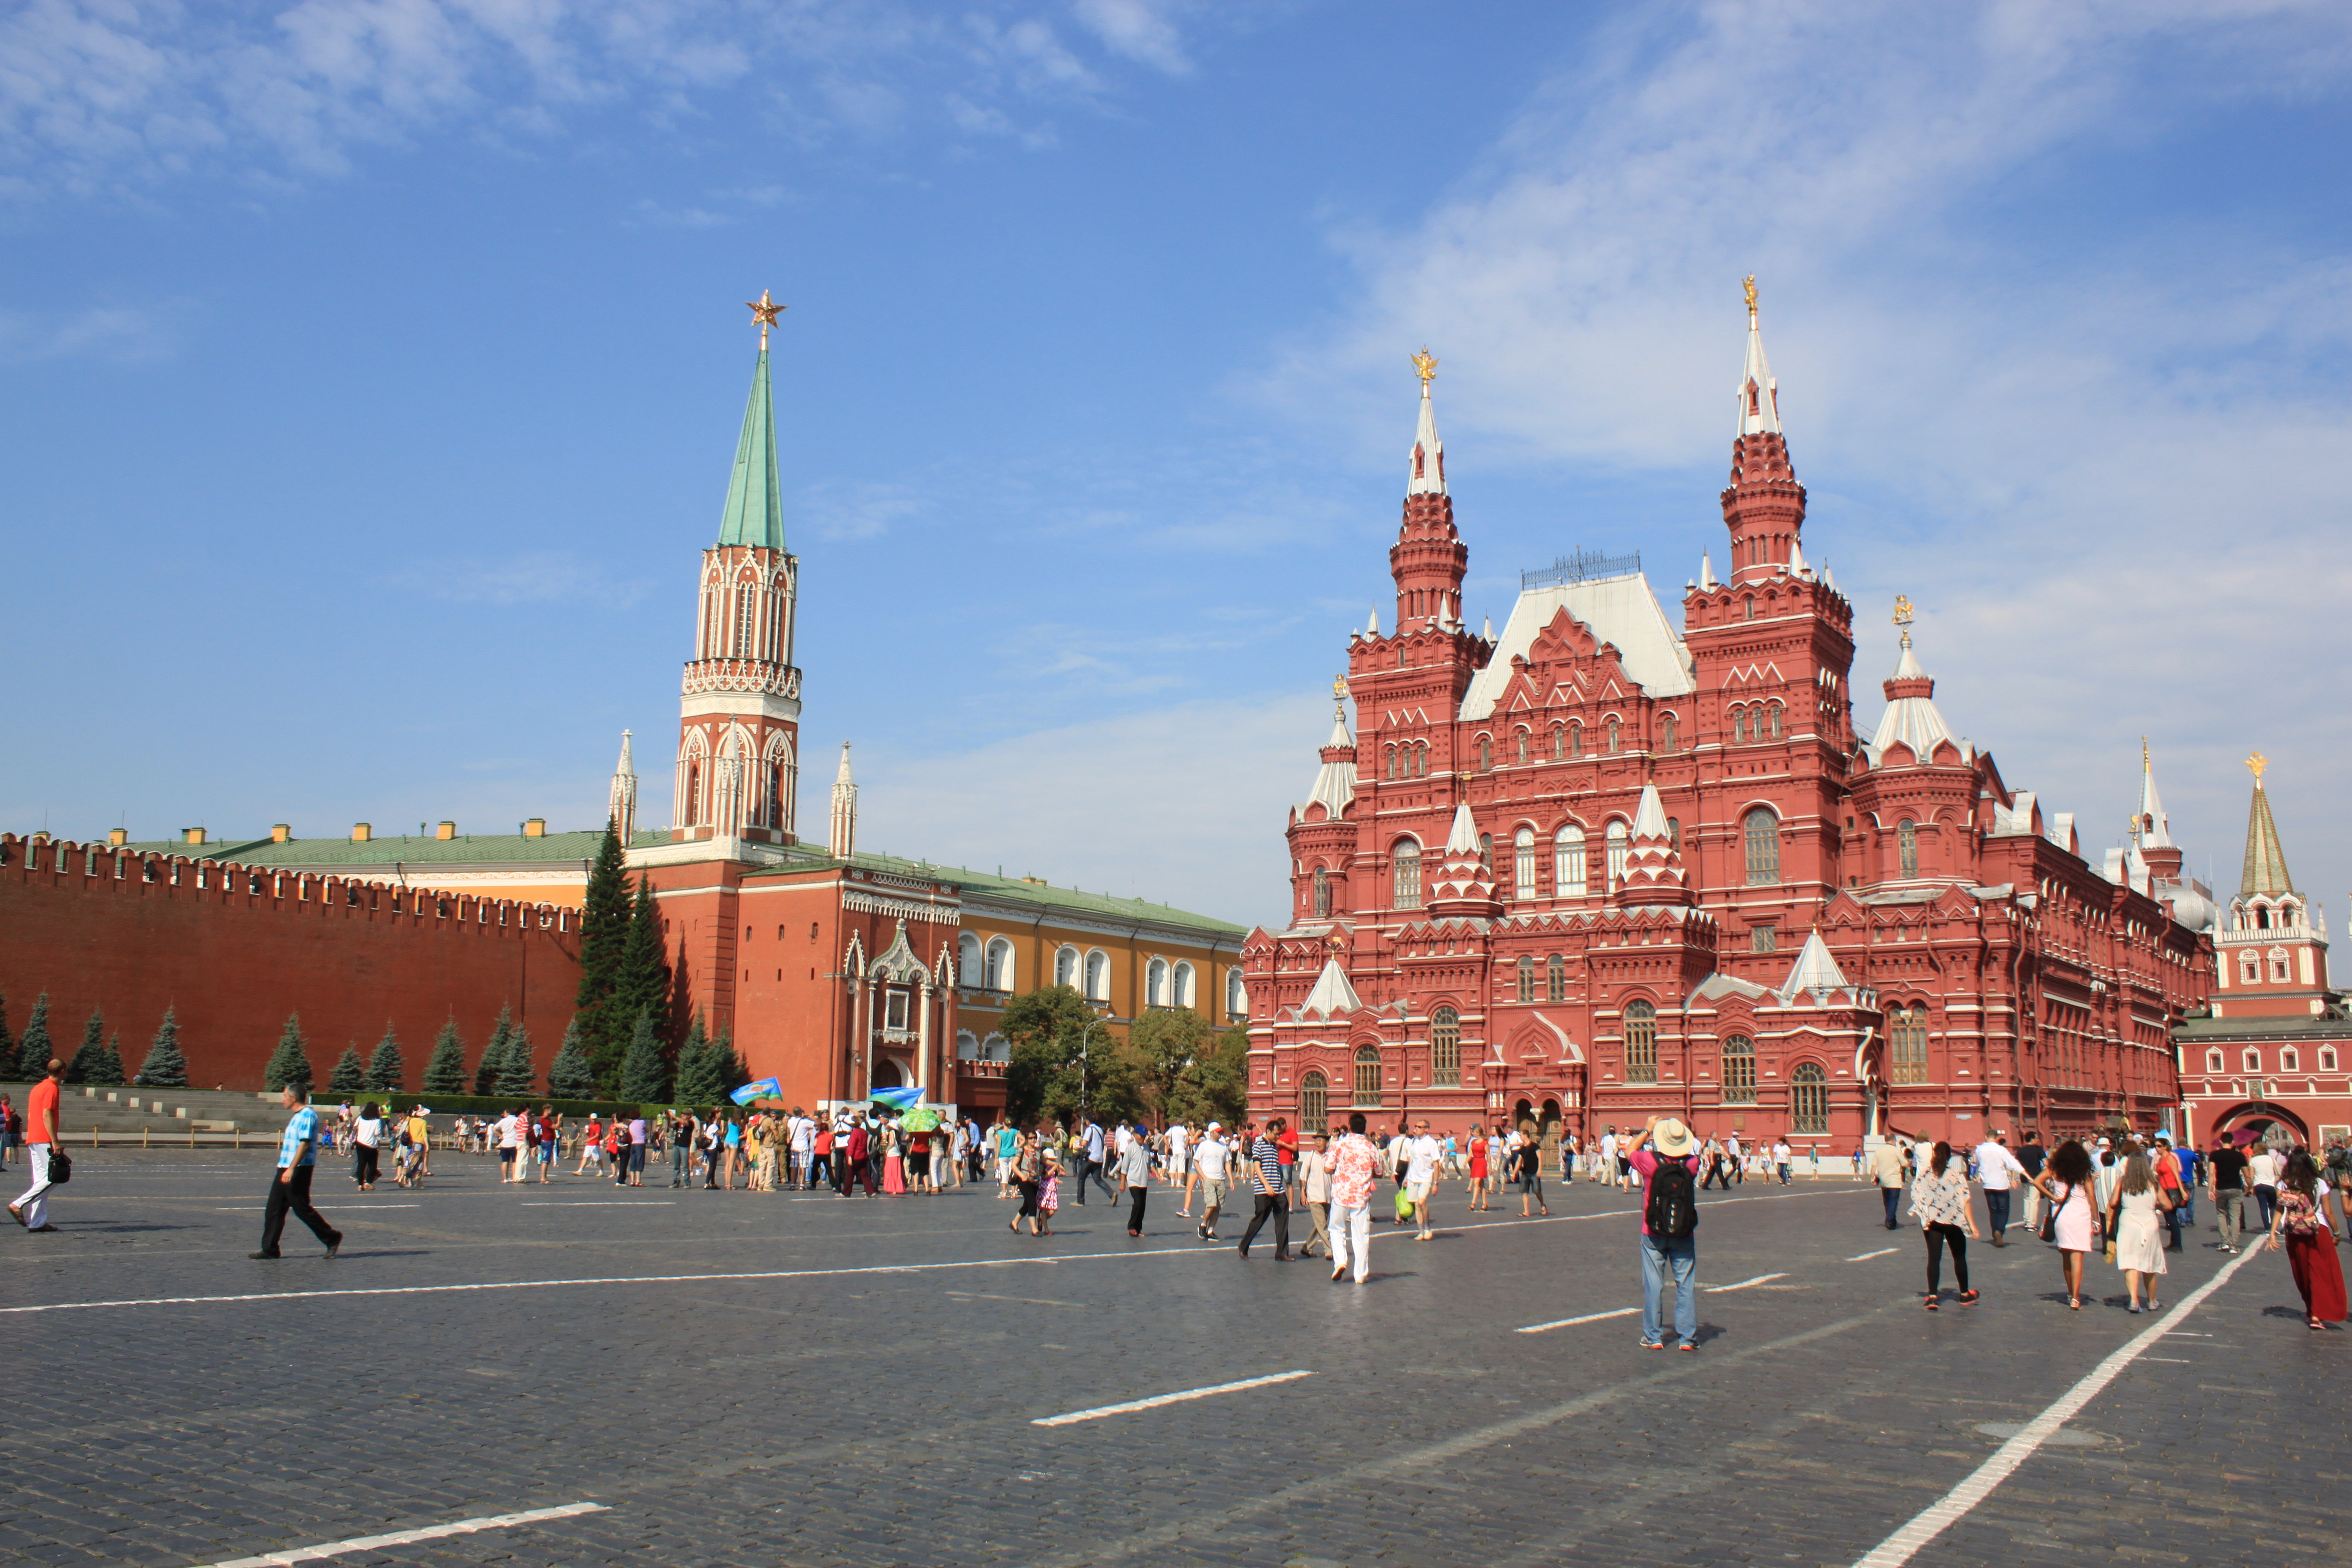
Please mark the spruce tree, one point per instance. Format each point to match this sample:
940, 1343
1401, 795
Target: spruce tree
644, 1078
518, 1074
571, 1076
107, 1071
386, 1070
34, 1047
350, 1074
726, 1067
291, 1062
604, 937
90, 1058
698, 1074
445, 1071
645, 975
165, 1066
494, 1055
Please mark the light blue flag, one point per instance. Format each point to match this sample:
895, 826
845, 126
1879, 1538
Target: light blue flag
767, 1087
897, 1099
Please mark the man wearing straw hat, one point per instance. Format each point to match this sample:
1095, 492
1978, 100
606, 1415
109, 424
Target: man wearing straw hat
1663, 1157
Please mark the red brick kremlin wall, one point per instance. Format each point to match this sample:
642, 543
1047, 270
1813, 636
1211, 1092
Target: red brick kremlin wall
235, 949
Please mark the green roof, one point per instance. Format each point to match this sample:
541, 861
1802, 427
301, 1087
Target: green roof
478, 849
755, 510
1103, 905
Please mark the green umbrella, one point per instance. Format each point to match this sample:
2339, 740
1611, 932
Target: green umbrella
922, 1118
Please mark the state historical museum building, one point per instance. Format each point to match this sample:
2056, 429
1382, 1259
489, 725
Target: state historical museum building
1596, 869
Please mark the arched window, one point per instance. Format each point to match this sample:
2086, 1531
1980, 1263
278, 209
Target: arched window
1523, 862
1751, 606
1236, 996
1521, 739
1486, 753
1617, 848
1555, 978
1322, 894
1640, 1043
1906, 846
1576, 738
1180, 992
1738, 1070
1420, 761
1567, 863
1314, 1103
694, 795
1666, 732
1391, 761
1404, 872
967, 1046
968, 970
1614, 731
1445, 1048
1674, 833
1559, 742
1907, 1045
1761, 830
999, 965
1808, 1099
1155, 984
1526, 972
1776, 721
1066, 966
1368, 1078
746, 610
996, 1048
1486, 853
1098, 976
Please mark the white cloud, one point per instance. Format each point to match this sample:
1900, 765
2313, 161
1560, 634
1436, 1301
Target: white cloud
2110, 453
124, 334
1138, 29
540, 577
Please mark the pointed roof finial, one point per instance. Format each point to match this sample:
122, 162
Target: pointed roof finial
754, 513
2255, 764
764, 311
1427, 476
2266, 870
1903, 617
1759, 394
1339, 697
1748, 286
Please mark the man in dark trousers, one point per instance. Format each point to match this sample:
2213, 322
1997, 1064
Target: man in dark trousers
1266, 1175
291, 1188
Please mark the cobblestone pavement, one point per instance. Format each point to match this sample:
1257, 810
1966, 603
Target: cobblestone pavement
811, 1381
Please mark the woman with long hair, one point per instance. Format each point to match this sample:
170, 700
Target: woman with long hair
1940, 1200
2065, 1181
2300, 1224
2135, 1220
1025, 1170
1049, 1189
1480, 1195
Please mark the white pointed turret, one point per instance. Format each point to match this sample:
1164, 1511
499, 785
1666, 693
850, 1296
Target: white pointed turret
1487, 631
1426, 476
1829, 578
623, 799
1912, 718
2154, 831
1707, 569
1334, 781
1815, 970
1464, 838
1332, 997
1796, 559
843, 842
1372, 626
1759, 394
1653, 874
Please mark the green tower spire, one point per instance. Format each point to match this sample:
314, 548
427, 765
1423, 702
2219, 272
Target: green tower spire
755, 512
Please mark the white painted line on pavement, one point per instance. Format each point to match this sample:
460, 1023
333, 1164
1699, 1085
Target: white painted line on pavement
1955, 1505
410, 1537
598, 1204
1572, 1323
1759, 1279
1159, 1399
1868, 1256
323, 1208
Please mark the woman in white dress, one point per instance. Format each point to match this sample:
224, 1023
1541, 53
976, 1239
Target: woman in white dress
2135, 1220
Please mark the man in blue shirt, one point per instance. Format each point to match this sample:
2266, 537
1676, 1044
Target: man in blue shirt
291, 1188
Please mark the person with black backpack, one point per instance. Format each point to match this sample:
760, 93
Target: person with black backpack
1663, 1159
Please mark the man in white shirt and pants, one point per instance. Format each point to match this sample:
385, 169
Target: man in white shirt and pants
1998, 1169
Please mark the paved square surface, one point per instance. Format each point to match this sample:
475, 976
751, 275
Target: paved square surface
703, 1377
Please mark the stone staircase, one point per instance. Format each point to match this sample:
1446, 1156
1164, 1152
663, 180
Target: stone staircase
161, 1115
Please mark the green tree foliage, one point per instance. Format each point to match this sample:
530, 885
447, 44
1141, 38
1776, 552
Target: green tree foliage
645, 981
726, 1065
571, 1076
698, 1068
603, 938
1044, 1078
350, 1076
34, 1047
645, 1077
291, 1062
445, 1070
83, 1062
1172, 1058
494, 1055
517, 1073
166, 1066
105, 1069
386, 1070
1218, 1084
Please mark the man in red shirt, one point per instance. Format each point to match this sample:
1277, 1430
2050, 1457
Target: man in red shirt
41, 1135
1285, 1150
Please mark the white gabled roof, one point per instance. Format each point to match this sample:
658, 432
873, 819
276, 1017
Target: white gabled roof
1618, 610
1332, 997
1335, 783
1815, 970
1464, 838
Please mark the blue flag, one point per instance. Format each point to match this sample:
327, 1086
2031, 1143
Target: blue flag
767, 1089
898, 1099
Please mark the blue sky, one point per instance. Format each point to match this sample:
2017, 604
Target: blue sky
370, 372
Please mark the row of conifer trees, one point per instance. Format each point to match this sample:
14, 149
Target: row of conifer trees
99, 1059
705, 1070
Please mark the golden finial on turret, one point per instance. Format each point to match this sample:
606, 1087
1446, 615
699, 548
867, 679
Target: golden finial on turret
764, 311
1339, 697
1424, 365
1748, 286
2255, 764
1903, 617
